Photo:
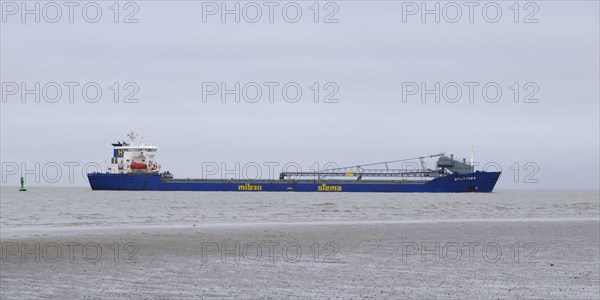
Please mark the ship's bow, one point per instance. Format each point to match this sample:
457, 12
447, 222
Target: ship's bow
486, 181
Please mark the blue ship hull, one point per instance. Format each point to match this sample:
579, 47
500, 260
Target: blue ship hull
482, 182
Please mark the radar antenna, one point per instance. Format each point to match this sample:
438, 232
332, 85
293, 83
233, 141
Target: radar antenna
132, 136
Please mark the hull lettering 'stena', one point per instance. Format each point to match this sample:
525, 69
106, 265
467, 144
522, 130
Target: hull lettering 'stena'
133, 169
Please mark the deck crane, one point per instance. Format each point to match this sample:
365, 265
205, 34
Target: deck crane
359, 171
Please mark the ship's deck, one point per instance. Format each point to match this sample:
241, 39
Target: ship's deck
289, 181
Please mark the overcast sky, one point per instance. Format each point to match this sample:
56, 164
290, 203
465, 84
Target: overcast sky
374, 57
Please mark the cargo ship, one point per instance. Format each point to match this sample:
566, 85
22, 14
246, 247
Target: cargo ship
133, 168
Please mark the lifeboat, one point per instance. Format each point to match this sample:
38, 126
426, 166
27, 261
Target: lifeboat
138, 166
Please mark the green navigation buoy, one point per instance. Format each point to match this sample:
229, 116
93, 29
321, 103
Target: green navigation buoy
22, 189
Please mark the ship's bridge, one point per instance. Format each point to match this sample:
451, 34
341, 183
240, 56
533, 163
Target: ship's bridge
132, 157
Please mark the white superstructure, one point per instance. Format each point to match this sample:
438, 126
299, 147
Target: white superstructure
131, 157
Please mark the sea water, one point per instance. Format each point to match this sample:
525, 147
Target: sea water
50, 209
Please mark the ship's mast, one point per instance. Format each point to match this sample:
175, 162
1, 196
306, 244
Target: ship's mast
472, 154
132, 136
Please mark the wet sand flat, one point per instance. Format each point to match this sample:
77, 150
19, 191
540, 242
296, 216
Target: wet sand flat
429, 259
